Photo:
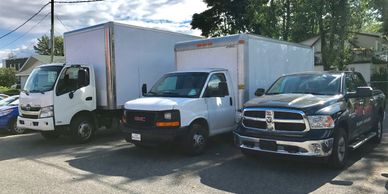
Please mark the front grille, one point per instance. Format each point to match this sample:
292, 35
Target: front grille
140, 118
30, 116
279, 119
30, 108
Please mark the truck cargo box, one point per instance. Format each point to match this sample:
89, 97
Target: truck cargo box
253, 61
124, 57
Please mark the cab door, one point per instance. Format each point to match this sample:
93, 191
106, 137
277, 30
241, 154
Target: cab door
74, 92
355, 107
367, 104
220, 105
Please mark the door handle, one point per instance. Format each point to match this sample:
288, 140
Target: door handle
231, 101
89, 98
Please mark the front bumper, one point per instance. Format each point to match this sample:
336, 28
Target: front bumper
315, 148
155, 135
43, 124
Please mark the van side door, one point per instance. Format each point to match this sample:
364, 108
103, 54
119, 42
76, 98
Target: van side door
219, 101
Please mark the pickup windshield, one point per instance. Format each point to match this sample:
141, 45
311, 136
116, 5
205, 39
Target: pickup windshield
42, 79
186, 85
317, 84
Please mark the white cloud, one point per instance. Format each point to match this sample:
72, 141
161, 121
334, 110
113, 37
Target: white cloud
174, 15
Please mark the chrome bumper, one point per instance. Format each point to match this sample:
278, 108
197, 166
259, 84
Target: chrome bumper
315, 148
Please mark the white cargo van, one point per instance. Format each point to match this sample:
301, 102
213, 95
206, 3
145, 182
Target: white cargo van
214, 78
105, 67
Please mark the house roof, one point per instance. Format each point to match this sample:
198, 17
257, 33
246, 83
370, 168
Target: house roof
36, 60
311, 41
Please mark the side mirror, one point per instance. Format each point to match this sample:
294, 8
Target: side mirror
361, 92
144, 89
260, 92
223, 87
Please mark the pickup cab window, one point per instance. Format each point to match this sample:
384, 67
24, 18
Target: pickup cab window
317, 84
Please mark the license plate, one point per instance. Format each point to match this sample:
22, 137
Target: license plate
136, 137
268, 145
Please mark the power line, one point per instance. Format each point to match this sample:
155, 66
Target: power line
29, 30
29, 19
87, 1
60, 21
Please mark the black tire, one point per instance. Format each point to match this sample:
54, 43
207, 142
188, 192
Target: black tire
14, 129
339, 155
50, 135
378, 127
196, 140
82, 129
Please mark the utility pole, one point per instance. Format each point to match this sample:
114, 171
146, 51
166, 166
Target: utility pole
52, 32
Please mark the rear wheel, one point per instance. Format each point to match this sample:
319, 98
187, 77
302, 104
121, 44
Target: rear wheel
339, 154
82, 129
14, 129
50, 135
378, 127
196, 140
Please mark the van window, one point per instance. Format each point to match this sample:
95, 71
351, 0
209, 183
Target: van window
69, 80
213, 87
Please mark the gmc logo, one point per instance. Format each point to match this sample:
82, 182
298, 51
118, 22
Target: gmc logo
139, 118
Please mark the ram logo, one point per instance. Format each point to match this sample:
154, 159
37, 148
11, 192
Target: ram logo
269, 117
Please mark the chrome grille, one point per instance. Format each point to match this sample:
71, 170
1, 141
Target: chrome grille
274, 119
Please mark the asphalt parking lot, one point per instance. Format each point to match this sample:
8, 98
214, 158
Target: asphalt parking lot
30, 164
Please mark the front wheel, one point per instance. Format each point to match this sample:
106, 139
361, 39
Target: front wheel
339, 154
379, 132
14, 129
82, 129
196, 140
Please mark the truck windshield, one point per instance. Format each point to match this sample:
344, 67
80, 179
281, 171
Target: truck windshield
186, 85
317, 84
42, 79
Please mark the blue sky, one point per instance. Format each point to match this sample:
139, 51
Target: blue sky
174, 15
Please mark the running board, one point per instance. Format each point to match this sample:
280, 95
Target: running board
357, 144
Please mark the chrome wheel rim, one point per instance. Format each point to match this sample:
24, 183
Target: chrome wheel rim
85, 130
17, 129
199, 140
341, 149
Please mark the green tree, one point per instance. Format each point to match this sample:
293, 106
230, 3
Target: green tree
7, 77
291, 20
43, 48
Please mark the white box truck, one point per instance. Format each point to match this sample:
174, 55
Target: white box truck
105, 66
214, 78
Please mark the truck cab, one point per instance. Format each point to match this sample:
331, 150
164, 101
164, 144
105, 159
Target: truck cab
59, 96
187, 106
313, 114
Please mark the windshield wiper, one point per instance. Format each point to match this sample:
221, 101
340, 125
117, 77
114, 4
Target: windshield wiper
35, 91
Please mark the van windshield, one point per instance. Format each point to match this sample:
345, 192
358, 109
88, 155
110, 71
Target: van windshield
186, 85
42, 79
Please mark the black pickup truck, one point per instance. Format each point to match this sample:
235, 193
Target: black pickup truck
315, 114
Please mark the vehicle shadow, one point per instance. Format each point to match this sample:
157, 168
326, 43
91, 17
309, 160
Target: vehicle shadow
222, 167
33, 145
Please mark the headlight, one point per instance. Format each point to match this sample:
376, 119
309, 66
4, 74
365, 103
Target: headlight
5, 112
321, 122
47, 111
167, 116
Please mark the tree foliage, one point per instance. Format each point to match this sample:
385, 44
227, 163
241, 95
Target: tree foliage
43, 46
294, 20
7, 77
